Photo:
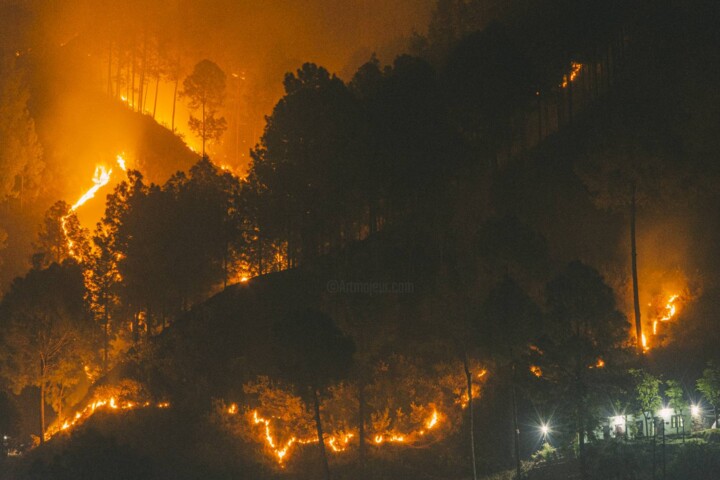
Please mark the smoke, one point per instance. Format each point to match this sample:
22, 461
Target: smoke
75, 45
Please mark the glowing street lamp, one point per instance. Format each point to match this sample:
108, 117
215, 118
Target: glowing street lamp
695, 410
544, 429
666, 413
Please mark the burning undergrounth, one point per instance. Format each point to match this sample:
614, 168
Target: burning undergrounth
337, 442
101, 177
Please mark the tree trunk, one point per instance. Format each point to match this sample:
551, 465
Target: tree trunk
131, 97
570, 98
60, 401
260, 256
361, 424
172, 121
540, 119
203, 130
581, 445
42, 400
468, 377
226, 254
516, 426
106, 328
109, 82
654, 456
157, 87
136, 328
147, 91
633, 249
321, 441
141, 83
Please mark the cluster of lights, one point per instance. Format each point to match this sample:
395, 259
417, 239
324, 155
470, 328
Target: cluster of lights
619, 420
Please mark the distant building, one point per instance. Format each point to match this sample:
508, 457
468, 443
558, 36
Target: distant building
636, 426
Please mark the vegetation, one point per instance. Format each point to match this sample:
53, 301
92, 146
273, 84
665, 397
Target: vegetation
418, 277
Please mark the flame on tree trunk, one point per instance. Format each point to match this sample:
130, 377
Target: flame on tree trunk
515, 424
633, 248
42, 399
468, 376
361, 423
321, 443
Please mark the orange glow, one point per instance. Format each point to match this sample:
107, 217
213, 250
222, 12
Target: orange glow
663, 314
433, 420
574, 72
535, 370
600, 363
121, 163
670, 309
644, 342
336, 442
101, 177
280, 452
83, 415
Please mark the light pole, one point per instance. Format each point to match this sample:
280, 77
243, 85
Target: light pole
517, 427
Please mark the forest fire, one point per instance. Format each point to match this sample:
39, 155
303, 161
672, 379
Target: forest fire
575, 70
337, 442
665, 312
109, 404
101, 177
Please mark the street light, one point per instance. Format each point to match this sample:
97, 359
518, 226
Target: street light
695, 410
666, 413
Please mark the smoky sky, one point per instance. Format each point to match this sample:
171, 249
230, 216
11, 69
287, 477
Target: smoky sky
251, 33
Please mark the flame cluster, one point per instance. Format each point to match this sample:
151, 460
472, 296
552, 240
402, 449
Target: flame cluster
101, 177
575, 69
337, 442
665, 313
108, 404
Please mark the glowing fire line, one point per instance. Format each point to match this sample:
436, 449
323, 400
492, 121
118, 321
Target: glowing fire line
666, 313
101, 177
336, 442
83, 415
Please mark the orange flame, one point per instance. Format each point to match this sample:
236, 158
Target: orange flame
336, 442
83, 415
280, 453
670, 309
664, 314
101, 177
575, 69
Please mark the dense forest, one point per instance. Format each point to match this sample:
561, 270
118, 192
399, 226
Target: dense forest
491, 255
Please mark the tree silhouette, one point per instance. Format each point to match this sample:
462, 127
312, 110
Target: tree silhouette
312, 353
507, 323
676, 401
584, 341
308, 161
20, 151
205, 90
647, 395
45, 331
709, 386
60, 229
